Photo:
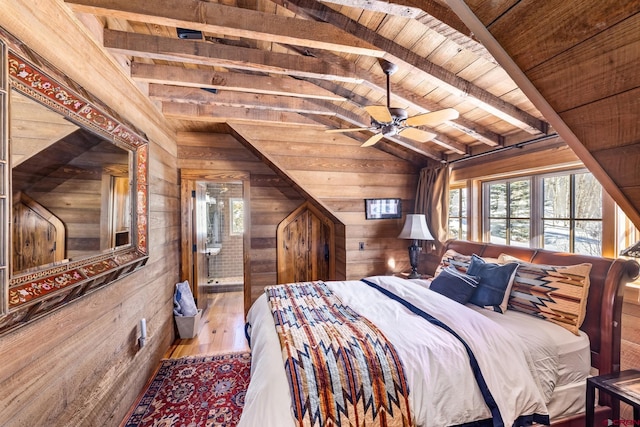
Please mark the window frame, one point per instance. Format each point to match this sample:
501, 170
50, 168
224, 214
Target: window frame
464, 214
536, 214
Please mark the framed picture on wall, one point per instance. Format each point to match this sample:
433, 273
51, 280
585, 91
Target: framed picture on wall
382, 208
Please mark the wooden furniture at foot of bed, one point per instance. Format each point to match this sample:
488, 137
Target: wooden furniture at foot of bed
602, 322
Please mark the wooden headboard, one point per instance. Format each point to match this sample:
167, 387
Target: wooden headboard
604, 304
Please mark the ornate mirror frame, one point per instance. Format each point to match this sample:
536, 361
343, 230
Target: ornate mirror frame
31, 295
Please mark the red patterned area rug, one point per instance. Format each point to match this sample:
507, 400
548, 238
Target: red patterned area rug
195, 391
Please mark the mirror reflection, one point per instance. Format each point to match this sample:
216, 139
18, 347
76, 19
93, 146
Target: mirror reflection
71, 188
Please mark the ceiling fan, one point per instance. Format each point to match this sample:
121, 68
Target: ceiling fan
388, 121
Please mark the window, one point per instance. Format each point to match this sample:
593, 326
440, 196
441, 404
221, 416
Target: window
560, 212
572, 214
236, 211
508, 208
458, 213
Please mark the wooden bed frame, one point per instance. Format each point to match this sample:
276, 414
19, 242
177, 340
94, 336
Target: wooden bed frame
604, 307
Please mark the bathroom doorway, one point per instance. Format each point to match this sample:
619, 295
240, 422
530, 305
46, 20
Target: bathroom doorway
225, 229
215, 234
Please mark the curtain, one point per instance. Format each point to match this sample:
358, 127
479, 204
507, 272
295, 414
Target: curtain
432, 199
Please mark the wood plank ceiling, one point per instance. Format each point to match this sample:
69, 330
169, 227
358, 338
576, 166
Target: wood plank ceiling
315, 65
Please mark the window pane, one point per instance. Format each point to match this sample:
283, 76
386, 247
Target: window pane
588, 238
498, 231
463, 202
454, 228
556, 235
520, 200
463, 229
588, 197
498, 200
454, 203
556, 197
519, 233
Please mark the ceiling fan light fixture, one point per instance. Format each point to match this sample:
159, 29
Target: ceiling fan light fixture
390, 121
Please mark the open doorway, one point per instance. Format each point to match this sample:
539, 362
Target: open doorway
225, 229
215, 234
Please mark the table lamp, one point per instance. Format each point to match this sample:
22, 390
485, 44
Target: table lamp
415, 228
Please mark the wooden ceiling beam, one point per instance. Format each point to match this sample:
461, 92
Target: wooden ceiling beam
205, 53
216, 114
231, 21
229, 81
405, 11
167, 93
399, 54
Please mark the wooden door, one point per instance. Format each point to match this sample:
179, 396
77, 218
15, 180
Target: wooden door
38, 235
200, 260
305, 246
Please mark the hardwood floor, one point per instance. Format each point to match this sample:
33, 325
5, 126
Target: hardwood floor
221, 331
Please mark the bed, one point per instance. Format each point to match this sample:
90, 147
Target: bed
444, 362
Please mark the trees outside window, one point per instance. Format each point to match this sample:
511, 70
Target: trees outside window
560, 212
508, 212
457, 213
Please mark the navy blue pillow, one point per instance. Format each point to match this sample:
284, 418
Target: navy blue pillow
454, 284
495, 283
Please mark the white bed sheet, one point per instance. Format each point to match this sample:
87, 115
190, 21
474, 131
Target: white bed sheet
573, 356
573, 359
268, 400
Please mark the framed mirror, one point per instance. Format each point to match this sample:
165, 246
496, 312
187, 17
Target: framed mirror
73, 213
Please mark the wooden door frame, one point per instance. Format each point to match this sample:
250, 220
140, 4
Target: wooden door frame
188, 178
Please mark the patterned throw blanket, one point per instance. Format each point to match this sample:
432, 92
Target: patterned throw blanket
342, 371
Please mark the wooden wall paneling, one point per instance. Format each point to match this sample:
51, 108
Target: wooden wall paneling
98, 370
607, 63
341, 184
592, 122
531, 157
555, 27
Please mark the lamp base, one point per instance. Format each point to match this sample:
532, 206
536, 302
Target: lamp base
414, 275
414, 251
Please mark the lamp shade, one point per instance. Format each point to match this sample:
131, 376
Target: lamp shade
415, 227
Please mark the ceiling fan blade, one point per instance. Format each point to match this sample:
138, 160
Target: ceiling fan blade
345, 130
433, 118
417, 134
371, 141
380, 113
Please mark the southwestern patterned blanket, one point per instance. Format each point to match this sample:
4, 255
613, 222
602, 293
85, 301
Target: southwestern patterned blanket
342, 370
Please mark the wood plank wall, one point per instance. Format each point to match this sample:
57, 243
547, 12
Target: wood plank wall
81, 366
339, 185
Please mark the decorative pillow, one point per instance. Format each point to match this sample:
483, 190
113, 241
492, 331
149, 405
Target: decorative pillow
452, 258
454, 285
495, 283
551, 292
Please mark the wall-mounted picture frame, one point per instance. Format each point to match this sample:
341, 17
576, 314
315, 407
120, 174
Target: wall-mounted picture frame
382, 208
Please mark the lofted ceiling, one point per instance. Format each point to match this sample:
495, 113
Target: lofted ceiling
313, 64
316, 65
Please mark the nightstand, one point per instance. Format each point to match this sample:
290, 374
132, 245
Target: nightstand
623, 386
405, 275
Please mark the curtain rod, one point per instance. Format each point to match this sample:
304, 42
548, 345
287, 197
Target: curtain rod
498, 150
